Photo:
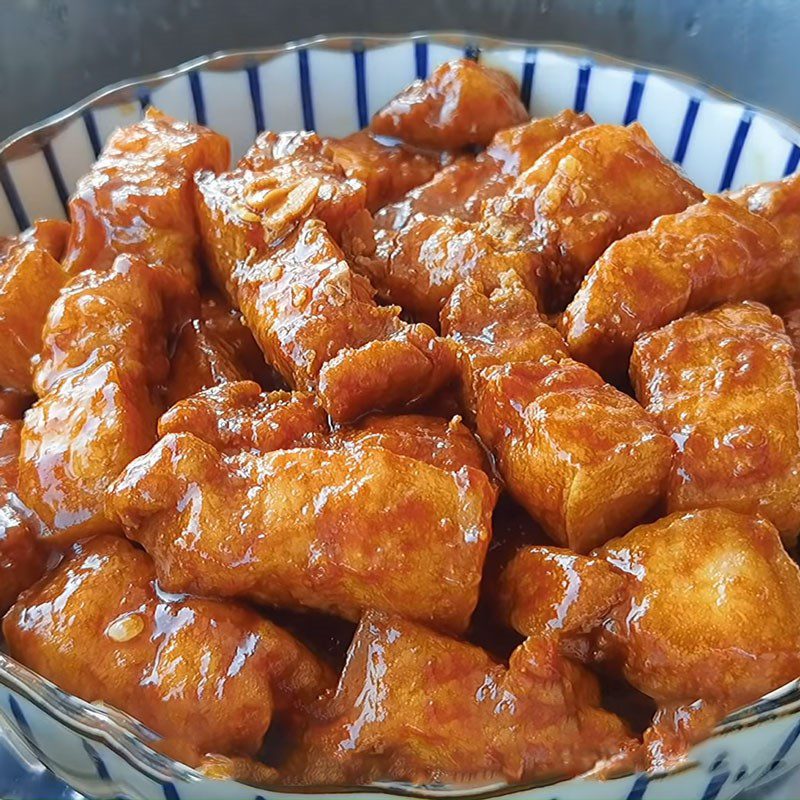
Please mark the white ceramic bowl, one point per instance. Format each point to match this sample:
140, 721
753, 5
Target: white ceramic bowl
335, 85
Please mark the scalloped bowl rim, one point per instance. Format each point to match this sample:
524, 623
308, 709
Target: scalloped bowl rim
126, 736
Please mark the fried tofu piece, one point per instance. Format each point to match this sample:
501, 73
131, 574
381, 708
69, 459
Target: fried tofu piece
206, 675
588, 190
779, 202
419, 266
710, 613
460, 189
583, 458
446, 444
388, 171
547, 591
9, 451
790, 314
319, 326
244, 212
417, 706
238, 416
712, 252
122, 315
501, 326
30, 279
462, 103
75, 441
103, 359
518, 148
282, 161
211, 349
722, 385
22, 557
137, 198
334, 531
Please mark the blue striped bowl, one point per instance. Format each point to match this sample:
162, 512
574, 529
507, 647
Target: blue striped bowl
334, 85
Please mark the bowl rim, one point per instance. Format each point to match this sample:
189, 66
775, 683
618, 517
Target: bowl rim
124, 735
20, 142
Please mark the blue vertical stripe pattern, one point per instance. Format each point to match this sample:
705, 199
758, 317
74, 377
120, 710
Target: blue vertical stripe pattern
639, 787
197, 97
170, 791
144, 98
305, 90
17, 209
91, 130
16, 712
527, 77
100, 767
715, 786
361, 88
686, 130
793, 161
635, 97
421, 59
584, 73
787, 745
736, 150
58, 178
254, 82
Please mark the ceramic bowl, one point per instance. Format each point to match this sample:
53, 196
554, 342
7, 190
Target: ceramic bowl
334, 85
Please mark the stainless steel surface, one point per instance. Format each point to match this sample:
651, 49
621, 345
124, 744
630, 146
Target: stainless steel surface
53, 52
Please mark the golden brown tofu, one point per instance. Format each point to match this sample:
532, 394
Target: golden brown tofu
22, 556
584, 459
103, 360
30, 278
122, 315
208, 676
710, 615
501, 326
546, 591
517, 149
790, 314
238, 416
460, 189
75, 441
243, 213
211, 349
446, 444
414, 705
419, 266
722, 385
588, 190
712, 252
462, 103
388, 171
9, 451
334, 531
779, 202
137, 198
283, 178
319, 326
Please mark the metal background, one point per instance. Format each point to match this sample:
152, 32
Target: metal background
53, 52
